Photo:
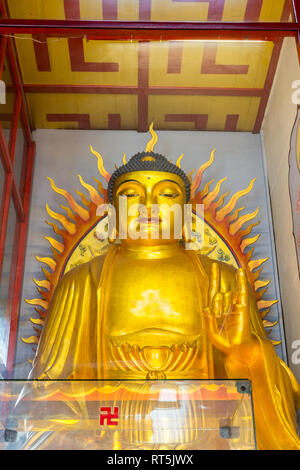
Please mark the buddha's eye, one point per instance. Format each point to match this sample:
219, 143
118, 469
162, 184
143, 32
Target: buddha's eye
169, 195
129, 193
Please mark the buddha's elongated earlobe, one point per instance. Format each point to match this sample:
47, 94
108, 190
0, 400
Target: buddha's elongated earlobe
187, 232
112, 226
112, 240
112, 237
187, 223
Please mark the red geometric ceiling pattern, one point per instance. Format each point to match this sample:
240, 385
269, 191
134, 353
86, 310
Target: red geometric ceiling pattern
200, 85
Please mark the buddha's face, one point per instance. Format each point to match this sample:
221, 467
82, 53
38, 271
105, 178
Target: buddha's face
149, 207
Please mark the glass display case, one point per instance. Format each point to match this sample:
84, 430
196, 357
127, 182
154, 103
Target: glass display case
127, 415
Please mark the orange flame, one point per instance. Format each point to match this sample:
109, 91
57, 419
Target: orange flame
213, 194
197, 181
101, 168
221, 214
97, 200
83, 213
69, 226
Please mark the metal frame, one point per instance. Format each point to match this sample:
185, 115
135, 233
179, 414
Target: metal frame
150, 31
18, 193
108, 30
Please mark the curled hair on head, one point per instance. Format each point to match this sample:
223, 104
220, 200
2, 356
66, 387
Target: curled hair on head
148, 161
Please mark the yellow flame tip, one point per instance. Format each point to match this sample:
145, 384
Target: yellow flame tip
152, 142
179, 160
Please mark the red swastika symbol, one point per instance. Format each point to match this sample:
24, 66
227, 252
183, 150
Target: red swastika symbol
108, 417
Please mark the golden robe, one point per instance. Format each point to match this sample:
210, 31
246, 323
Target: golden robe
70, 347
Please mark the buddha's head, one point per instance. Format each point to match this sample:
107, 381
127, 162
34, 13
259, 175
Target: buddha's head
149, 193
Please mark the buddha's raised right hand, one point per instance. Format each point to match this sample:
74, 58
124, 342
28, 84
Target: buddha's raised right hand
227, 318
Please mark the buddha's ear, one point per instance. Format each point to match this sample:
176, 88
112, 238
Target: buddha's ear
112, 216
187, 231
186, 234
113, 235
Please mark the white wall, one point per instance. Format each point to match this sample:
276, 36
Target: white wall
63, 154
277, 127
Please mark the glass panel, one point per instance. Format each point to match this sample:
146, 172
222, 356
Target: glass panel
19, 153
155, 10
5, 293
7, 107
170, 414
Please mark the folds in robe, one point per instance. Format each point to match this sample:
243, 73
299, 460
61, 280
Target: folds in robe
71, 344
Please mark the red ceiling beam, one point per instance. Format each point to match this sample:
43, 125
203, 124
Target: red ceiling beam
147, 30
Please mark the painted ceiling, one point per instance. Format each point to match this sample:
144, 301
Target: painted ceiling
199, 85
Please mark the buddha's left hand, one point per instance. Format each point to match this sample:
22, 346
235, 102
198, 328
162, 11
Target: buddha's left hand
227, 318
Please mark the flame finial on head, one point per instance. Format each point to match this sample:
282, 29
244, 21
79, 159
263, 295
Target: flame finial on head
178, 161
152, 142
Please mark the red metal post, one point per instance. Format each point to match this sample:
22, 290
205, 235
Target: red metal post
17, 275
14, 126
11, 192
4, 215
2, 52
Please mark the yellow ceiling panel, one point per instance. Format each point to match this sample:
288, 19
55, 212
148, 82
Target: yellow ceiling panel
182, 11
210, 64
154, 10
234, 10
230, 10
271, 10
37, 9
121, 57
66, 111
93, 9
204, 112
89, 9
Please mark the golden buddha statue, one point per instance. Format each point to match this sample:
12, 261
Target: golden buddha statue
150, 309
